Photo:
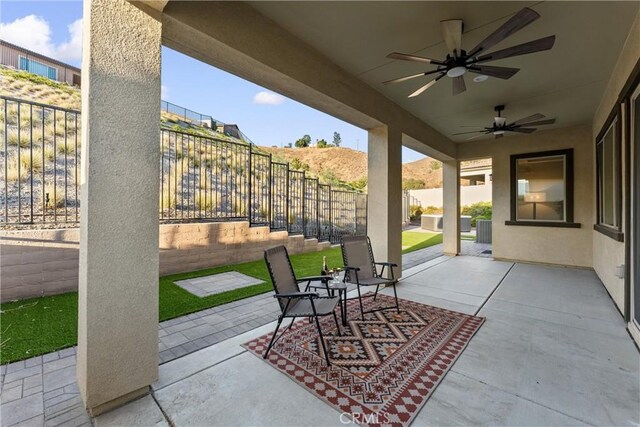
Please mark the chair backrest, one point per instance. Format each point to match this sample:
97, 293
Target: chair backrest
281, 272
356, 252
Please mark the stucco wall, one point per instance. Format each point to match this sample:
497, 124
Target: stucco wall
552, 245
45, 262
468, 195
608, 253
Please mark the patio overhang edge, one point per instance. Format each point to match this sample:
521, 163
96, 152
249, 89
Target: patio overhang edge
266, 54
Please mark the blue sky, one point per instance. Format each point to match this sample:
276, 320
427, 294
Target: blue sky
267, 118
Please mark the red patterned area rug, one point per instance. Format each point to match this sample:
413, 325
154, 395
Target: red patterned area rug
383, 369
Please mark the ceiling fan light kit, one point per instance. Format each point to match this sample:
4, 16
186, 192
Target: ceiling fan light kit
459, 61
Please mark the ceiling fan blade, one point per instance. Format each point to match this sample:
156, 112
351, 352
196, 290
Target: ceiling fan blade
500, 135
522, 130
528, 119
425, 87
540, 122
474, 137
499, 72
458, 85
412, 76
517, 22
539, 45
452, 33
473, 131
407, 57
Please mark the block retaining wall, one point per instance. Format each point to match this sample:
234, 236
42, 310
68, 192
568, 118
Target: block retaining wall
35, 263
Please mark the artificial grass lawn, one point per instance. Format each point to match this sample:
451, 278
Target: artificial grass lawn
413, 241
41, 325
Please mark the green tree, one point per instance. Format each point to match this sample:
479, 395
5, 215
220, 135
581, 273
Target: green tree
303, 142
337, 140
413, 184
321, 143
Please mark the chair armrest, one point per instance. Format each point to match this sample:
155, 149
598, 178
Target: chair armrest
346, 267
298, 295
388, 264
314, 279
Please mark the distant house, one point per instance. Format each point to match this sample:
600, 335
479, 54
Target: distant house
476, 177
232, 130
23, 59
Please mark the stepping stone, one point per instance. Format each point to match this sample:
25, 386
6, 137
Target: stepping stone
217, 283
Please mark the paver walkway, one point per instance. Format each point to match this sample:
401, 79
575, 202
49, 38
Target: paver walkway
43, 390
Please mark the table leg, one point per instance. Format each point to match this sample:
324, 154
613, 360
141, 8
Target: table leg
343, 306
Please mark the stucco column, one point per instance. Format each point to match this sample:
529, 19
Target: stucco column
384, 217
451, 206
118, 279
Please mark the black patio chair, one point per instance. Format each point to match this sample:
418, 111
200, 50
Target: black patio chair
361, 270
294, 303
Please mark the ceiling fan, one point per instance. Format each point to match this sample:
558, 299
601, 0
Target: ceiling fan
500, 125
459, 61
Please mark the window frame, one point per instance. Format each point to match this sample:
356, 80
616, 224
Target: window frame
568, 190
49, 67
613, 122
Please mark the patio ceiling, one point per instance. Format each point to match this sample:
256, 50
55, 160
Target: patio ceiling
565, 83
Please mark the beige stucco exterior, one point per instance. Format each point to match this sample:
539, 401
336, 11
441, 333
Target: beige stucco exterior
384, 212
552, 245
117, 355
451, 207
607, 252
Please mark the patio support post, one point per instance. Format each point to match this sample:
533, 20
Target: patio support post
451, 206
118, 281
384, 187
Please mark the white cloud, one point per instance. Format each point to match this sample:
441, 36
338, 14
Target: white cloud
71, 50
164, 92
34, 33
268, 98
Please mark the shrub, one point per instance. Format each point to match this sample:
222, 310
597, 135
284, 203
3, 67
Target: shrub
359, 184
49, 153
14, 172
167, 199
24, 140
31, 160
435, 165
415, 212
67, 148
479, 210
432, 210
413, 184
298, 165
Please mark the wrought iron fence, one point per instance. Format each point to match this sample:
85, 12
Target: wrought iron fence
201, 179
40, 163
198, 118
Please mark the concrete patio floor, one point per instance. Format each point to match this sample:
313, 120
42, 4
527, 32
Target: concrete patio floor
553, 351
